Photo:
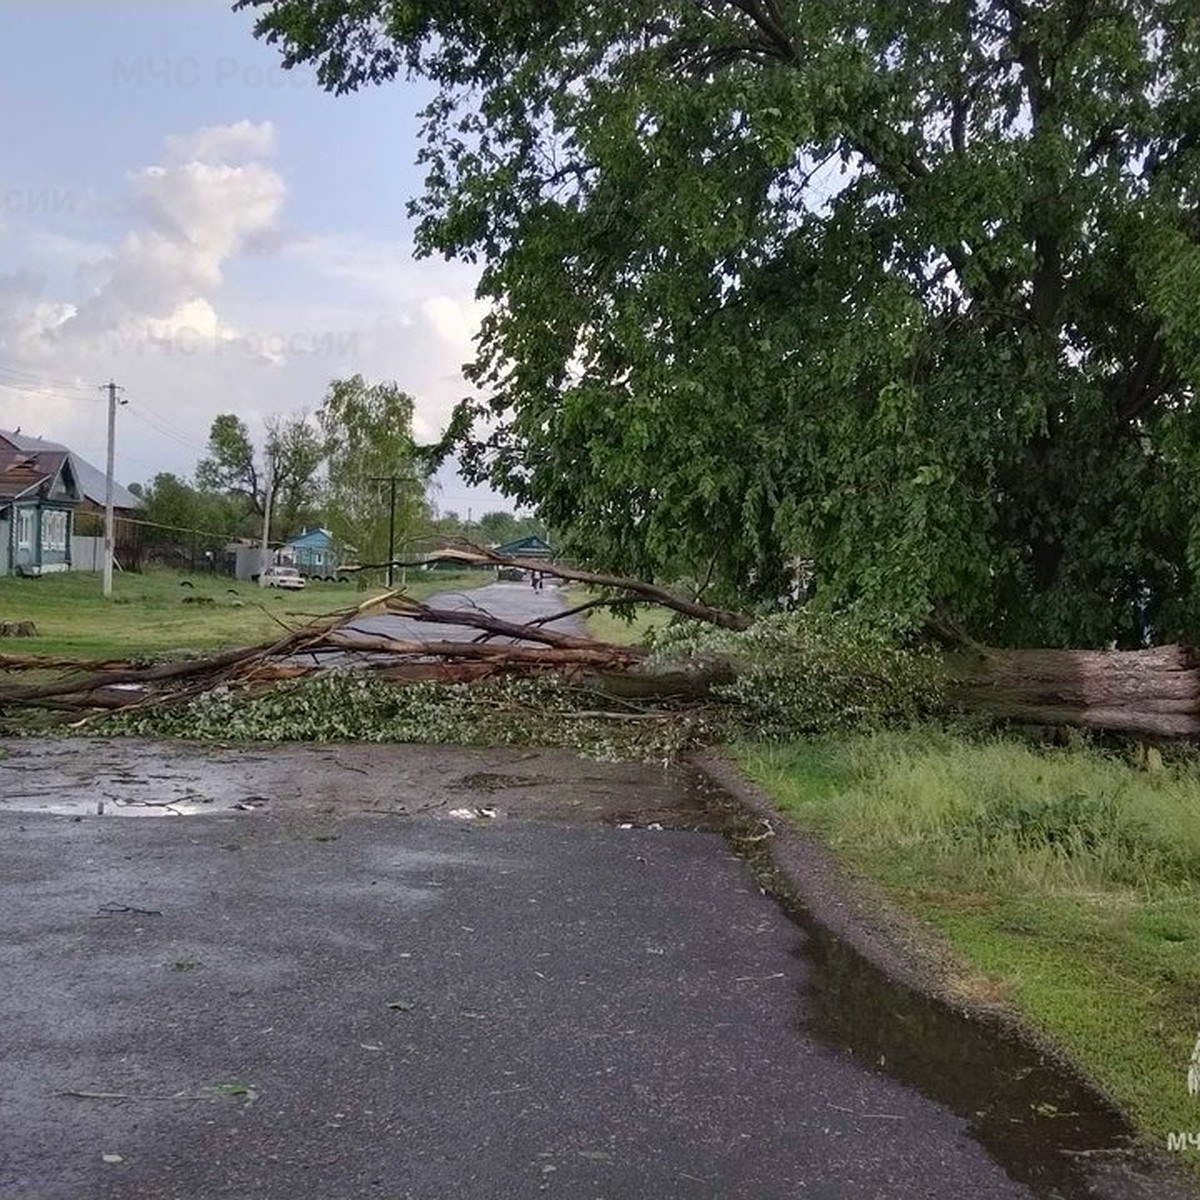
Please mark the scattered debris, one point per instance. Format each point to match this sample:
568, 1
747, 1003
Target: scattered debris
111, 908
472, 814
234, 1088
96, 687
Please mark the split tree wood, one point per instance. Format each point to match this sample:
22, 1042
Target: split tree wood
1153, 692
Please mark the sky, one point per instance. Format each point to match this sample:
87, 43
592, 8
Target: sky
182, 216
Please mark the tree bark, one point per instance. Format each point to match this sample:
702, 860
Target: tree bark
1151, 692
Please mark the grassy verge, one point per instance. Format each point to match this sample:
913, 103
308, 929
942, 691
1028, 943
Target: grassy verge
609, 627
147, 613
1070, 877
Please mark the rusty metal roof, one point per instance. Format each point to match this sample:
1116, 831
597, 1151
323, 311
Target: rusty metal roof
22, 473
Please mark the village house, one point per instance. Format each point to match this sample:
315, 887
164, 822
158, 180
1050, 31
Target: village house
49, 499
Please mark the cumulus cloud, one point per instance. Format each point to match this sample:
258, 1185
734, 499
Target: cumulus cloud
223, 145
193, 215
159, 309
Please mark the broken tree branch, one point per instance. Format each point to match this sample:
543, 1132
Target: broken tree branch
470, 554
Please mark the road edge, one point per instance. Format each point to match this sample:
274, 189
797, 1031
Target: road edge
858, 912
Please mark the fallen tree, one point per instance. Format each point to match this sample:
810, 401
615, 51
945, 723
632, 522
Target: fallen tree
781, 676
1153, 692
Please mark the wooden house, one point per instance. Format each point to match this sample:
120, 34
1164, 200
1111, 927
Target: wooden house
39, 494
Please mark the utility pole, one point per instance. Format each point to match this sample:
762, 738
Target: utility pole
109, 540
266, 536
390, 480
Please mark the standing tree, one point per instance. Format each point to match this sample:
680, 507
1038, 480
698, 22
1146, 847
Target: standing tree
295, 451
231, 467
908, 289
368, 442
500, 527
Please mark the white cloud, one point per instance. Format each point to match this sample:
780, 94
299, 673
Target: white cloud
223, 145
203, 306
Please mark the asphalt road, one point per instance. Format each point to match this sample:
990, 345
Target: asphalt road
516, 602
361, 985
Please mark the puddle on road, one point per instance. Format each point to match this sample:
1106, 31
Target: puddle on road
1036, 1120
1045, 1127
109, 806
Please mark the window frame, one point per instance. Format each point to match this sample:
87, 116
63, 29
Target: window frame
26, 520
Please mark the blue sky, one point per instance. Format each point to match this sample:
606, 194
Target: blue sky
180, 214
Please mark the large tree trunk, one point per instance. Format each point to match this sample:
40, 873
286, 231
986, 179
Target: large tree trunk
1155, 692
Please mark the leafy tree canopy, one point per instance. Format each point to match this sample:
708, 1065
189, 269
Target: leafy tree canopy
230, 465
368, 441
178, 512
908, 288
500, 527
294, 452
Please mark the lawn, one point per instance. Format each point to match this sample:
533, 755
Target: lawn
155, 612
1069, 876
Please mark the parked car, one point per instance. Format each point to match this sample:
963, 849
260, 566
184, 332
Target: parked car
283, 577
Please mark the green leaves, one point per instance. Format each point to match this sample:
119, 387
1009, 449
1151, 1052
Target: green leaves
356, 705
367, 439
910, 290
803, 673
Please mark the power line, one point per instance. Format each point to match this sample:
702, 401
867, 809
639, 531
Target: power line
45, 393
227, 536
159, 427
169, 428
34, 377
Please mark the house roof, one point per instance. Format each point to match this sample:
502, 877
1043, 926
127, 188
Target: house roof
312, 537
23, 473
526, 545
91, 480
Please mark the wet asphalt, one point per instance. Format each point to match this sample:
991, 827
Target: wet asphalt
510, 601
417, 972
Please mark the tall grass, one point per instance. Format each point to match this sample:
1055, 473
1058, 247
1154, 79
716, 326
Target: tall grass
996, 811
1070, 877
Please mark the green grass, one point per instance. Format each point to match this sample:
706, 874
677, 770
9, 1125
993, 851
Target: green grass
147, 614
609, 627
1070, 877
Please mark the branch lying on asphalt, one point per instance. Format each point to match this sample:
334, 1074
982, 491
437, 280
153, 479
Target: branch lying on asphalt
94, 688
470, 554
100, 686
479, 619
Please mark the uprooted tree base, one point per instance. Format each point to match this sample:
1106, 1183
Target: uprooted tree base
1149, 693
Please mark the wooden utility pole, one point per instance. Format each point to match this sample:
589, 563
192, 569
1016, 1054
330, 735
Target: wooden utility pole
264, 557
109, 540
391, 481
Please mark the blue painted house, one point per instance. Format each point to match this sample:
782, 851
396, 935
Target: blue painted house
39, 492
314, 553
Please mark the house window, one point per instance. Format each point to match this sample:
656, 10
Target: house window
25, 528
54, 529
